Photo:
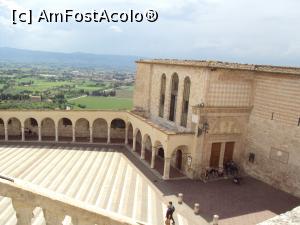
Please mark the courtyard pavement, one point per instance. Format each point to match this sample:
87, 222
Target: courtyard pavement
247, 204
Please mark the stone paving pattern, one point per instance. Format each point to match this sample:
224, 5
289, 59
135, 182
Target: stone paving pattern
72, 170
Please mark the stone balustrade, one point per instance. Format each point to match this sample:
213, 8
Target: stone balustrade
26, 197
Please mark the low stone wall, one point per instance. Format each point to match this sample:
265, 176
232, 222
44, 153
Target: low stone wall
26, 197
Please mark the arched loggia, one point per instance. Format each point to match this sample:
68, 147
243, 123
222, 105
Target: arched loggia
100, 129
65, 129
117, 131
14, 129
82, 130
31, 129
48, 129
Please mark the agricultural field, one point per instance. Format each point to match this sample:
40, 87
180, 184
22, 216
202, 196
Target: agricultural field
90, 102
60, 89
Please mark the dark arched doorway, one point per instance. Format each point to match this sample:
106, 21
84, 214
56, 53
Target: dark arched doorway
100, 128
161, 153
117, 131
48, 129
179, 159
138, 141
82, 130
14, 131
31, 130
65, 130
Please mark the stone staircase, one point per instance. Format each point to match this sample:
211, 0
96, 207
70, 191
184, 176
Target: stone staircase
101, 177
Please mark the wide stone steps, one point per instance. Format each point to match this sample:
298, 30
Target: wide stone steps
104, 178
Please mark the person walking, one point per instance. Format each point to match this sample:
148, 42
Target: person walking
170, 211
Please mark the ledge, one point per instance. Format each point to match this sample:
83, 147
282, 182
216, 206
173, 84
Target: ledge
225, 65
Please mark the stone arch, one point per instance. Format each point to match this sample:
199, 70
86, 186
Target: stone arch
162, 95
2, 129
117, 130
160, 157
185, 101
82, 130
14, 129
138, 140
130, 134
31, 129
100, 129
173, 96
48, 129
179, 158
65, 129
148, 147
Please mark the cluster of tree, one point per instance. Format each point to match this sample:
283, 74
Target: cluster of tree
60, 99
27, 105
9, 96
104, 93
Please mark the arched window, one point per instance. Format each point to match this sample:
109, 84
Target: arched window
162, 95
173, 99
185, 101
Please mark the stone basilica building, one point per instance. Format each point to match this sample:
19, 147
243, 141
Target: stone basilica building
248, 113
188, 116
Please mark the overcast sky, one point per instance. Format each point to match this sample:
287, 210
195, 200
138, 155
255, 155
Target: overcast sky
248, 31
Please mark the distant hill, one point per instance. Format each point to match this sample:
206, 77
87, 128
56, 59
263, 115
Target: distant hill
114, 62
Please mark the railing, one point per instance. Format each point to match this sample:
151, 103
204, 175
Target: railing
26, 197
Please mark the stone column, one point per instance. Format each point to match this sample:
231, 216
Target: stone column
22, 133
5, 132
153, 158
143, 150
126, 136
56, 133
40, 133
91, 134
222, 154
167, 166
108, 135
73, 133
24, 212
215, 220
53, 217
134, 143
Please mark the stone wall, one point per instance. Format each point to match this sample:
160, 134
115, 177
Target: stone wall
141, 94
229, 88
274, 133
148, 84
265, 108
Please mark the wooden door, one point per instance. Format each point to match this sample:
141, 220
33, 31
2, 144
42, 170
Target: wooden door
215, 154
228, 154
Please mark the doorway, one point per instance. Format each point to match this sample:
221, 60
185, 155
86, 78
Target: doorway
179, 159
228, 154
215, 154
